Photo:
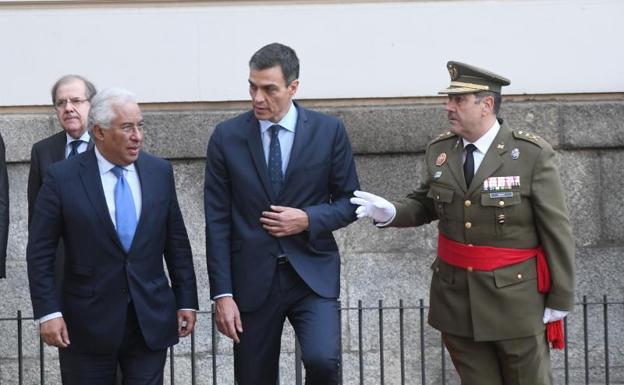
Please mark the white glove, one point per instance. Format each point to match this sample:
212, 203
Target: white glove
552, 315
373, 206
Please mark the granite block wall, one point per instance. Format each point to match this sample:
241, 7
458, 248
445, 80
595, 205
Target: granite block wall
389, 265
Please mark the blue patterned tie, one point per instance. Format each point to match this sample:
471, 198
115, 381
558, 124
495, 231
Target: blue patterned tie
275, 160
125, 212
74, 148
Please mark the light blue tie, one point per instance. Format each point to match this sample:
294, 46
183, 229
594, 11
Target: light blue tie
125, 213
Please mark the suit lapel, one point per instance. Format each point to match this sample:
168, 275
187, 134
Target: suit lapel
302, 138
493, 159
58, 147
148, 185
92, 183
455, 163
254, 142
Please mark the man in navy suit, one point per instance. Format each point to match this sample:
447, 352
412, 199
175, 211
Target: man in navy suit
278, 182
115, 207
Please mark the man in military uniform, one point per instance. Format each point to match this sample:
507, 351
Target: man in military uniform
505, 264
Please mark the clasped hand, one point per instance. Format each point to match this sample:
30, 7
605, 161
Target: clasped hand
373, 206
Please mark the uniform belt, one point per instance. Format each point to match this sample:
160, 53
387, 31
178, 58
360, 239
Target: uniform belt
282, 259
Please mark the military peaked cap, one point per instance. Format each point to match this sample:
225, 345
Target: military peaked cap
466, 79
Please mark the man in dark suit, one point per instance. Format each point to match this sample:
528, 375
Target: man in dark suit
71, 97
278, 182
4, 209
115, 207
504, 276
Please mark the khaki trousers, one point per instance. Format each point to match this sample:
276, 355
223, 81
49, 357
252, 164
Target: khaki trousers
518, 361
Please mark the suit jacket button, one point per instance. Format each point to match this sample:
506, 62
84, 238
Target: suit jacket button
468, 225
124, 291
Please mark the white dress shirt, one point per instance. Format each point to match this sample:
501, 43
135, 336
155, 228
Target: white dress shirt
482, 144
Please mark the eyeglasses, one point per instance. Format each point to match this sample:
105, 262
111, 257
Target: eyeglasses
128, 128
61, 103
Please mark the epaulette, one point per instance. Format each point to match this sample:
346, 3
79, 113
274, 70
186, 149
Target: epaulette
442, 136
529, 137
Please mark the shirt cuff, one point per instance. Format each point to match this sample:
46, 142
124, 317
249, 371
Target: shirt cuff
195, 310
216, 297
50, 316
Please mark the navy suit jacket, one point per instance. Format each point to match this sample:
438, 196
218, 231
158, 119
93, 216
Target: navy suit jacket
320, 179
100, 277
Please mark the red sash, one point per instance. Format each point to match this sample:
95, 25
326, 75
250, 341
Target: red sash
488, 258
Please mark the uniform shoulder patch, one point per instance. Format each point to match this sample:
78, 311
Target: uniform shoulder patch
444, 135
529, 137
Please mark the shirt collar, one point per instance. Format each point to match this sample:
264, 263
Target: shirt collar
105, 166
85, 137
485, 141
289, 121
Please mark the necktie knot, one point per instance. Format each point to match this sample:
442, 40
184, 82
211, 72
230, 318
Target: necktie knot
275, 130
118, 171
470, 148
74, 147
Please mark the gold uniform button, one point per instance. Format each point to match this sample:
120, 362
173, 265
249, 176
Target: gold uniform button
519, 276
467, 203
501, 203
468, 225
437, 197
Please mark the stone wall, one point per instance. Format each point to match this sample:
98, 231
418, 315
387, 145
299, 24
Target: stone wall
388, 140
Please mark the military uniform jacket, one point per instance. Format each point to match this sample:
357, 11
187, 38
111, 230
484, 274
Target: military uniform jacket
503, 303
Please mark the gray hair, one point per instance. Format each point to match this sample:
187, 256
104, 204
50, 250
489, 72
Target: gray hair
102, 113
89, 87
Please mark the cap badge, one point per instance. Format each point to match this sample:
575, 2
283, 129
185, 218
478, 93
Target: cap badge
441, 159
453, 72
515, 154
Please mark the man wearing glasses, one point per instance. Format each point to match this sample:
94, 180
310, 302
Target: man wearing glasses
71, 97
116, 209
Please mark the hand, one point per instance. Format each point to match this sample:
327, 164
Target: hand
284, 221
186, 322
373, 206
552, 315
54, 332
228, 318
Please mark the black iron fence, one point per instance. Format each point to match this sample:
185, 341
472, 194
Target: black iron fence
381, 344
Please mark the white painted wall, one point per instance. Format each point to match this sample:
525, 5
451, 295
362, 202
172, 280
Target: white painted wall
200, 53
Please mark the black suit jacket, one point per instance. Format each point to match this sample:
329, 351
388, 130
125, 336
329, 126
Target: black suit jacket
44, 153
4, 209
320, 179
100, 277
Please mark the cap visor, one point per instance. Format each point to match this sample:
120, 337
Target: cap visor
458, 90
